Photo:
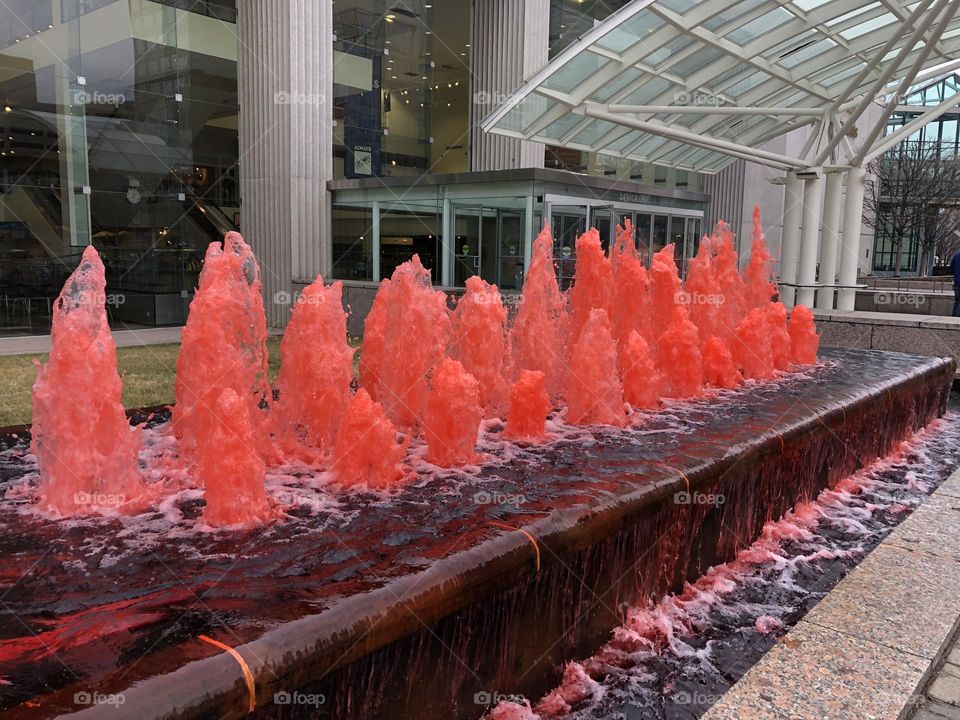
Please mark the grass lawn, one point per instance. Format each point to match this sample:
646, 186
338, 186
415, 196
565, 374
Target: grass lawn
147, 372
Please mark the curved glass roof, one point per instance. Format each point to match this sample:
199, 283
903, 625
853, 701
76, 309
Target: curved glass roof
695, 85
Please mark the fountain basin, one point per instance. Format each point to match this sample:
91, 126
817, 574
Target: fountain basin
421, 620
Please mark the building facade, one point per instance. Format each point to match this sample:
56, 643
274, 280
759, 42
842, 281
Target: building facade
340, 138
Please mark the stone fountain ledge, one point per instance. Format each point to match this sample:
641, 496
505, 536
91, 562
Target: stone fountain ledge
870, 646
504, 585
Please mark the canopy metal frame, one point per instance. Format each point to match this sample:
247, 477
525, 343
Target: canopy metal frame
696, 85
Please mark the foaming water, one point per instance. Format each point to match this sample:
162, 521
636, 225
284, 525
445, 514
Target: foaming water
85, 448
677, 657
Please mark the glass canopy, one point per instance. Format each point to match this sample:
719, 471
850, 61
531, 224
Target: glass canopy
695, 85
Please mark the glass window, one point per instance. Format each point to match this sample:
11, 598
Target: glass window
126, 139
407, 230
402, 94
352, 240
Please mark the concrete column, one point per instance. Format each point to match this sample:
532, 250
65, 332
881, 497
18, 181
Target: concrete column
790, 244
809, 239
828, 243
510, 42
285, 76
850, 247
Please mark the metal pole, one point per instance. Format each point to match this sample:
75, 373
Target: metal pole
790, 244
850, 246
809, 236
828, 243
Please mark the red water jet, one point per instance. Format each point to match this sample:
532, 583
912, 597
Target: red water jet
592, 284
416, 329
804, 339
478, 339
719, 369
372, 349
666, 292
759, 288
228, 465
366, 451
779, 336
641, 379
315, 372
631, 287
751, 345
678, 357
594, 395
529, 407
223, 346
86, 451
452, 416
539, 332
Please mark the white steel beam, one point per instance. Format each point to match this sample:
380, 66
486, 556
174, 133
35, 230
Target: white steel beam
829, 240
809, 237
850, 245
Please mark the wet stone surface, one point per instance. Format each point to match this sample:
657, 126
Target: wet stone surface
109, 601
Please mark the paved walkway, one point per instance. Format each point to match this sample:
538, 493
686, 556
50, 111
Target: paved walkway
941, 698
882, 644
32, 344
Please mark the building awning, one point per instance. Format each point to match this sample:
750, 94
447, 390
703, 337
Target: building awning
694, 85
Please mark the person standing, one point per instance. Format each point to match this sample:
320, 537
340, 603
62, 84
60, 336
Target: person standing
955, 271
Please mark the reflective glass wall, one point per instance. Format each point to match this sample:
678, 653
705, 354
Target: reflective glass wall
401, 87
569, 20
119, 128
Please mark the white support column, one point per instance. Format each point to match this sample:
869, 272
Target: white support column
510, 42
829, 241
790, 244
850, 247
285, 74
809, 237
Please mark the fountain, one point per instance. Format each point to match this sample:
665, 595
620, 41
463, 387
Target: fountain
478, 486
86, 451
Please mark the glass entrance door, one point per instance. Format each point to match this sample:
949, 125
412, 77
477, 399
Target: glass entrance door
466, 246
602, 218
568, 222
510, 236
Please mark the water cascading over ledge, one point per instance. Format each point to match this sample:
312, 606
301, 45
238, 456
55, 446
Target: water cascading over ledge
616, 532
